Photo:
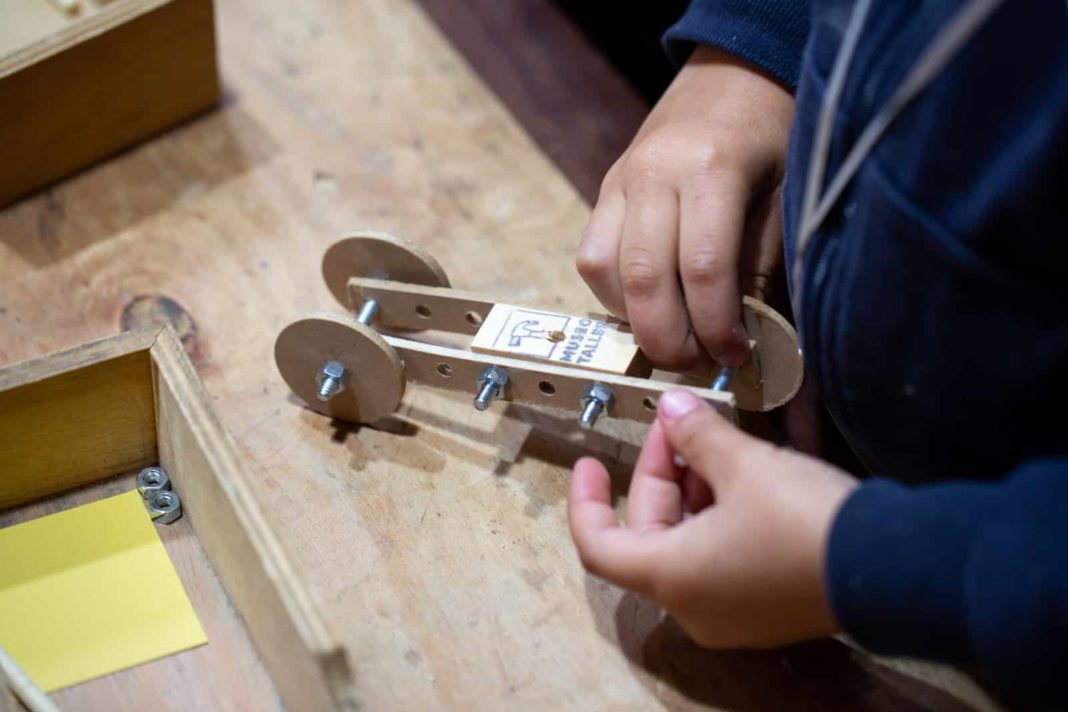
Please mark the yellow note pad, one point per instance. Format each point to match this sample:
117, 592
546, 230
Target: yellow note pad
89, 591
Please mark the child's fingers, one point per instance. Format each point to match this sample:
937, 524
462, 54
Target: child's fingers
703, 438
710, 238
655, 498
696, 494
598, 254
648, 271
607, 550
762, 245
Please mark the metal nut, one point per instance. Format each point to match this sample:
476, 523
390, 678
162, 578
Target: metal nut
165, 507
151, 480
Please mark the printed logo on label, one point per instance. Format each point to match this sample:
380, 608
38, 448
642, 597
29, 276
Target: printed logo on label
578, 341
583, 341
531, 333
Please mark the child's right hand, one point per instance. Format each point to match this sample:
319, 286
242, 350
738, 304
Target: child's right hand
691, 210
733, 546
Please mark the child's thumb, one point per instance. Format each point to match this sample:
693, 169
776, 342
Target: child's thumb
700, 436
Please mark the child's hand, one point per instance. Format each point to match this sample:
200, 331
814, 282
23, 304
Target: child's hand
733, 546
696, 196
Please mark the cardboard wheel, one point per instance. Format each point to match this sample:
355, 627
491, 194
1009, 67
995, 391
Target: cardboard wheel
776, 377
374, 374
378, 255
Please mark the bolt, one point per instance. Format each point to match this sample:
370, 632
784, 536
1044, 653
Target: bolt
723, 379
151, 480
595, 399
491, 383
331, 379
165, 507
367, 312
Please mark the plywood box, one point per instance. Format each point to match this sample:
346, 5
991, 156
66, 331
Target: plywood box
78, 86
73, 427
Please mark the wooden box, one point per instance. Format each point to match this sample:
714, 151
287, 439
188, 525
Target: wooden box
75, 87
75, 426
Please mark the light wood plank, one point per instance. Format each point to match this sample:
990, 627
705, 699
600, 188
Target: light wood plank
541, 383
308, 669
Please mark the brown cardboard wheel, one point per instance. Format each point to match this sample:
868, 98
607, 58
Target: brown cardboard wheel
773, 376
378, 255
375, 374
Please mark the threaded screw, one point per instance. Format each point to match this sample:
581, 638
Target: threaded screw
595, 399
491, 383
331, 379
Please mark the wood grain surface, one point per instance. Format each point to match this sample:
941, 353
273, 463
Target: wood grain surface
435, 546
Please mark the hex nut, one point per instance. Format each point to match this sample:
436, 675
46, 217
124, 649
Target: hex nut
165, 507
151, 480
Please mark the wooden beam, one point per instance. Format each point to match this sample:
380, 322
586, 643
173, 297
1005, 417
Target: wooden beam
309, 670
542, 383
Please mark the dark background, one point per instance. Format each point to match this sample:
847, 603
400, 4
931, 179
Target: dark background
630, 40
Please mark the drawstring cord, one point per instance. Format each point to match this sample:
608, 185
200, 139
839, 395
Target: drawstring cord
942, 48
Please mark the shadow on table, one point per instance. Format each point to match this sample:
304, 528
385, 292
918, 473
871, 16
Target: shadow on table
102, 201
823, 675
524, 432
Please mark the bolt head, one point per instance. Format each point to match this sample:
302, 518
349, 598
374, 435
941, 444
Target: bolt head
331, 369
597, 391
494, 375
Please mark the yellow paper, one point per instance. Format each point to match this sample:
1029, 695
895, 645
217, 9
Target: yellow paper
89, 591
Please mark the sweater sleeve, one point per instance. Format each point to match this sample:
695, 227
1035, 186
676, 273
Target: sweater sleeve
971, 574
770, 34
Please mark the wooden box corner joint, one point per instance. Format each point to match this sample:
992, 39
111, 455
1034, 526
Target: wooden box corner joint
133, 400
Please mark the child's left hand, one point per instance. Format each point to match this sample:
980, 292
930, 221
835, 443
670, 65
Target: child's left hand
732, 546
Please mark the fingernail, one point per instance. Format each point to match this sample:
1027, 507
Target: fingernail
676, 403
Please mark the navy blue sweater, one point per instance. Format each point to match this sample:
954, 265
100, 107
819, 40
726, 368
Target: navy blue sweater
935, 324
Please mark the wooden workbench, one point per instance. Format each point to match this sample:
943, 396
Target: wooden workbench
437, 547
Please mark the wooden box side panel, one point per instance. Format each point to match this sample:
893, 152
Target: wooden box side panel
75, 417
308, 670
104, 92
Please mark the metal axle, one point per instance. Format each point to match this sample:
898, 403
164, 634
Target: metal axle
367, 312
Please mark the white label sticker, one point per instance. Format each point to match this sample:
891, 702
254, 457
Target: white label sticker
580, 341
